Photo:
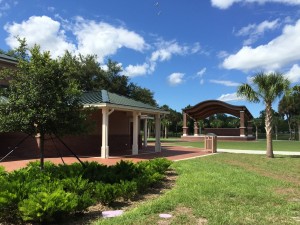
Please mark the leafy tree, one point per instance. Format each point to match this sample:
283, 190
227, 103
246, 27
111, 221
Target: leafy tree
216, 123
296, 120
266, 88
141, 94
289, 106
42, 98
85, 69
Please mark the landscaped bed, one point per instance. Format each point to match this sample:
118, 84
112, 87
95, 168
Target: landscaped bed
61, 191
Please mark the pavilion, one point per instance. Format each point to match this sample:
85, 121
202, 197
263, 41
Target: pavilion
207, 108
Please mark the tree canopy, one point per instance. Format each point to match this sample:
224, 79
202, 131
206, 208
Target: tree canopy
42, 99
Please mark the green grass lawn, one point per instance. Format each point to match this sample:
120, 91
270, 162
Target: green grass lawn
243, 145
225, 189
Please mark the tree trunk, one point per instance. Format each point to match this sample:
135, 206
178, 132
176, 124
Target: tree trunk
299, 131
166, 132
268, 123
40, 137
256, 132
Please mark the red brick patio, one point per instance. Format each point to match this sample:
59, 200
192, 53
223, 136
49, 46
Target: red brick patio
170, 152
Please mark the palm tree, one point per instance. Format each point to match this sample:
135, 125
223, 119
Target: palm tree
256, 122
267, 87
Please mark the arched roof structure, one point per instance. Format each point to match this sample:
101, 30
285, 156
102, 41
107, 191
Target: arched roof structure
207, 108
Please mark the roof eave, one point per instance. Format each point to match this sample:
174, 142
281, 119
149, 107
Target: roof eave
127, 108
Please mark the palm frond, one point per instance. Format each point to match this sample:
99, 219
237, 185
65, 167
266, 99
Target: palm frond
246, 91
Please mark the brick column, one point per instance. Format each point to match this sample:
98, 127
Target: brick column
196, 128
242, 124
184, 128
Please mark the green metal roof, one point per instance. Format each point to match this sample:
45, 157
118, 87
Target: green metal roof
102, 97
6, 58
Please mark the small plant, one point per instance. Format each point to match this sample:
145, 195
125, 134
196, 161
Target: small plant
47, 206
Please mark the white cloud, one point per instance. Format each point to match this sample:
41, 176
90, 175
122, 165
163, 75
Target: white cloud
100, 38
229, 97
225, 4
51, 9
196, 48
279, 52
104, 39
40, 30
167, 49
222, 54
294, 74
175, 79
254, 31
201, 72
5, 6
92, 37
225, 82
138, 70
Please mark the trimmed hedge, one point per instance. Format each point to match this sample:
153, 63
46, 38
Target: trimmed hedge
32, 195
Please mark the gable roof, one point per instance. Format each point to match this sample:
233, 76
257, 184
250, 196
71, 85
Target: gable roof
104, 98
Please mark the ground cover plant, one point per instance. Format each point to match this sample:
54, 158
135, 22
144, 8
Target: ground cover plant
32, 195
226, 189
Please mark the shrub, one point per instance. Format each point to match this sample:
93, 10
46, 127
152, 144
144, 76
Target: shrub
47, 206
96, 172
106, 193
29, 194
82, 189
128, 190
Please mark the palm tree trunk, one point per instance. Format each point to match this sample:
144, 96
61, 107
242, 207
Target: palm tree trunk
166, 132
268, 122
299, 131
256, 133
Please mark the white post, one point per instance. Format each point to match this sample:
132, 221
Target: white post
135, 146
145, 133
104, 147
157, 133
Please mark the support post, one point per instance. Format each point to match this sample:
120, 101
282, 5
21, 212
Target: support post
145, 132
184, 128
196, 128
104, 147
135, 146
242, 124
157, 133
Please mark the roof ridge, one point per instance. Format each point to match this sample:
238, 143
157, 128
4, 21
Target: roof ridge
105, 96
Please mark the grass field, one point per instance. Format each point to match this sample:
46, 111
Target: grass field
245, 145
225, 189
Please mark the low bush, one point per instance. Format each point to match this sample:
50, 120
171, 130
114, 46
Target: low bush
32, 195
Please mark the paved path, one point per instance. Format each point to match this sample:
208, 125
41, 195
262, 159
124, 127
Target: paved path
257, 152
174, 153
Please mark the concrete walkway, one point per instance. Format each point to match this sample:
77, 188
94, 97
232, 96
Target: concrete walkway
259, 152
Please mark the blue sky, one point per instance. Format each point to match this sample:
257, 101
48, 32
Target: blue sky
184, 51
